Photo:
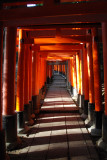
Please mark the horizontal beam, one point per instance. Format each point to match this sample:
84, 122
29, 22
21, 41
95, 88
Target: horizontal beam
75, 39
68, 19
98, 7
52, 33
61, 47
62, 26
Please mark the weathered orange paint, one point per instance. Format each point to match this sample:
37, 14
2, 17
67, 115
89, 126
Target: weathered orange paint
75, 72
26, 79
50, 71
104, 34
96, 69
20, 73
86, 78
38, 73
1, 54
90, 73
30, 74
78, 73
72, 71
9, 71
33, 73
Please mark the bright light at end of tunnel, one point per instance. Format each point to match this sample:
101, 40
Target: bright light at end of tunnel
31, 5
81, 43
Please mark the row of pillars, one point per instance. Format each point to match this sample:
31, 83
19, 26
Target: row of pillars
60, 69
84, 78
19, 103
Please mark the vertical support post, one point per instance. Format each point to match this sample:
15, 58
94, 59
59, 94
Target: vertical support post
20, 83
75, 77
81, 100
102, 143
9, 115
97, 126
2, 133
27, 105
30, 80
78, 78
86, 83
91, 104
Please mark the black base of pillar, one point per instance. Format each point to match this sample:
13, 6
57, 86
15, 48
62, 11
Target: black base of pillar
2, 145
72, 90
10, 127
20, 120
96, 129
27, 112
78, 99
31, 104
90, 119
102, 143
36, 104
81, 101
86, 107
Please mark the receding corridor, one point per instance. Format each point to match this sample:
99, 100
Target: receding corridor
59, 132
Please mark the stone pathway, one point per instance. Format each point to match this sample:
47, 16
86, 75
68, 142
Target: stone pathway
59, 132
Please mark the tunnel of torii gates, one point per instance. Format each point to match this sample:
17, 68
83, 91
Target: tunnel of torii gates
70, 49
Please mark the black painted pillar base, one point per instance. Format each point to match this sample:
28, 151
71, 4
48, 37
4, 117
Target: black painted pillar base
89, 121
32, 113
36, 104
96, 129
78, 99
102, 142
20, 121
10, 127
81, 101
27, 112
31, 103
85, 110
2, 145
71, 90
48, 80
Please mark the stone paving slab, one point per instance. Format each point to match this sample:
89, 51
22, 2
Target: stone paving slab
57, 135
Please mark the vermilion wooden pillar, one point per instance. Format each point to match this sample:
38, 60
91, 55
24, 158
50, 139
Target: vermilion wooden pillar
20, 83
103, 141
69, 74
30, 79
91, 104
72, 74
2, 133
75, 77
27, 105
35, 82
86, 81
47, 71
81, 66
78, 78
9, 115
96, 130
